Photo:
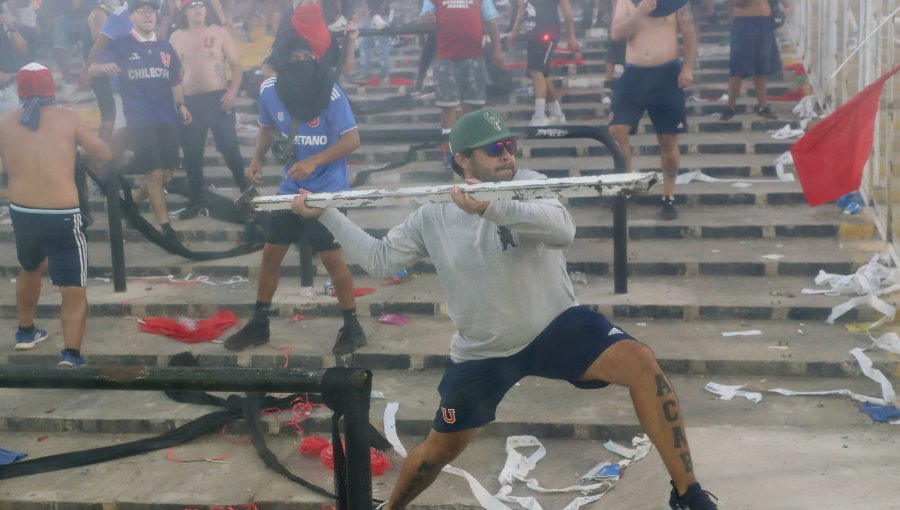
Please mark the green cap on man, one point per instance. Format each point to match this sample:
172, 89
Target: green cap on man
477, 129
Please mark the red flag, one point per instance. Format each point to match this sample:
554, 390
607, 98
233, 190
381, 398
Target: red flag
829, 158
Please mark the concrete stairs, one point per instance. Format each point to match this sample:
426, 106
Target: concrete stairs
736, 259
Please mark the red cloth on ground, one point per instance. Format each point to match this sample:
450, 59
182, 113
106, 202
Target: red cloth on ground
186, 330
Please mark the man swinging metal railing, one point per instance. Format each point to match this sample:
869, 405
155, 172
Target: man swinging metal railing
619, 186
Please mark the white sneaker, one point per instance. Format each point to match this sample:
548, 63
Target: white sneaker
556, 120
339, 24
539, 121
378, 22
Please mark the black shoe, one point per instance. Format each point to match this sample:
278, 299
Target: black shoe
350, 338
192, 210
766, 113
668, 212
694, 499
253, 333
727, 115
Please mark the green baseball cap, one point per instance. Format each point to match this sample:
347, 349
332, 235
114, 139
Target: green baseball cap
477, 129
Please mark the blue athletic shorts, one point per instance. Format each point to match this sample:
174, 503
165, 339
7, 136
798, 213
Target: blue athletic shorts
285, 227
654, 90
57, 235
471, 390
754, 51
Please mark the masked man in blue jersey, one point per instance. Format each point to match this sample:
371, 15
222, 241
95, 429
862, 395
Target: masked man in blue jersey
303, 104
149, 74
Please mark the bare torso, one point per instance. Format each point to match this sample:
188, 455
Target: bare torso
202, 57
41, 164
654, 42
751, 8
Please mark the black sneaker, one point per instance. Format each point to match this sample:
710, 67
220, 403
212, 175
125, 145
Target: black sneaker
192, 210
727, 114
694, 499
668, 211
350, 338
766, 113
253, 333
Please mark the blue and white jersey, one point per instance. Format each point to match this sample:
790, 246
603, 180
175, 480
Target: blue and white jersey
148, 71
311, 137
118, 23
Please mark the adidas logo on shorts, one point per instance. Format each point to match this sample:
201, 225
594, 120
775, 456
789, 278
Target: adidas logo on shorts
615, 331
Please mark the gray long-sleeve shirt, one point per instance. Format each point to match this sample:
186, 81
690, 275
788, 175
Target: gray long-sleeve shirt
503, 273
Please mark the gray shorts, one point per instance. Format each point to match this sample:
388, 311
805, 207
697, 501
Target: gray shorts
459, 81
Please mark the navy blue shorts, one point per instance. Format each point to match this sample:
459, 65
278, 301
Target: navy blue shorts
57, 235
754, 51
285, 227
540, 52
472, 390
654, 90
155, 147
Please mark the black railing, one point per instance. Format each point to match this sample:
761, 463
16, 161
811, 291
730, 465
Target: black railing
352, 387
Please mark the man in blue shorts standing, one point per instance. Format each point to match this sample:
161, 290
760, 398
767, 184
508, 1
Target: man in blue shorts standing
149, 74
754, 52
303, 104
654, 80
503, 271
38, 144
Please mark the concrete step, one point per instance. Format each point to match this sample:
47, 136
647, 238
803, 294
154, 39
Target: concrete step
653, 297
740, 478
602, 414
785, 347
592, 256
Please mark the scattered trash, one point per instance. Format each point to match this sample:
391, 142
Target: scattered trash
298, 318
873, 279
400, 277
641, 448
749, 332
10, 456
308, 293
726, 392
397, 319
785, 133
603, 471
881, 414
773, 256
174, 458
578, 277
42, 438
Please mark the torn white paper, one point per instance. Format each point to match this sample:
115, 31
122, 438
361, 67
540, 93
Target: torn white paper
726, 392
641, 449
749, 332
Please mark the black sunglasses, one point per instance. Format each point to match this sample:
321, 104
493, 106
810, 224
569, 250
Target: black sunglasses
495, 149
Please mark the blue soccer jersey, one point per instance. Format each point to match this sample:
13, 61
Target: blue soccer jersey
148, 71
311, 137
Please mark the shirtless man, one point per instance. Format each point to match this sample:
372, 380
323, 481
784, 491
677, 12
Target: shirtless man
205, 50
754, 52
654, 80
38, 143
